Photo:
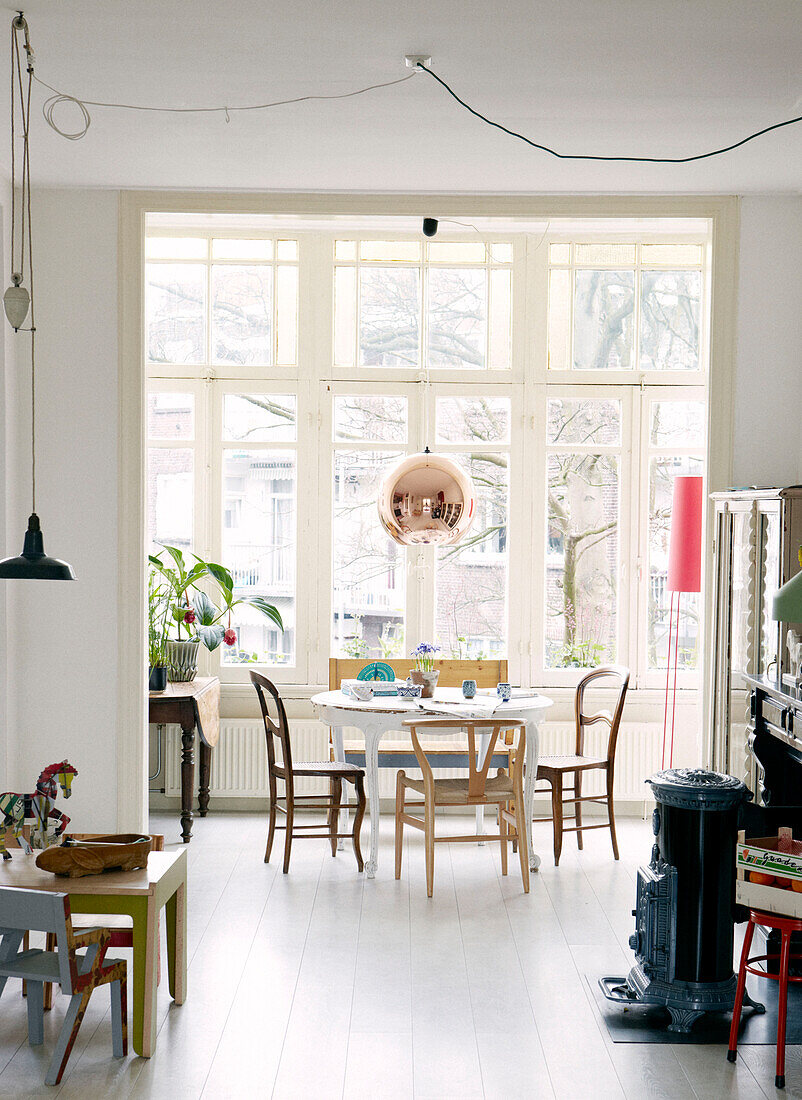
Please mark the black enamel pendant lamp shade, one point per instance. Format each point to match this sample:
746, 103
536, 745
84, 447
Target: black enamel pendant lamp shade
33, 563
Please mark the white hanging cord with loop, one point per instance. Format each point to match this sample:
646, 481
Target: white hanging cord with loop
21, 100
57, 98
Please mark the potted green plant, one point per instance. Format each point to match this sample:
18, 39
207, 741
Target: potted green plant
196, 617
158, 625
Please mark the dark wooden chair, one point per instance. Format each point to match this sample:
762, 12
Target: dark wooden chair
277, 729
555, 769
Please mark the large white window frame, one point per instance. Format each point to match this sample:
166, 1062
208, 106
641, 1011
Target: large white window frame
315, 346
529, 381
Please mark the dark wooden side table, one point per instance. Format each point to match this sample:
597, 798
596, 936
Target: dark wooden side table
195, 705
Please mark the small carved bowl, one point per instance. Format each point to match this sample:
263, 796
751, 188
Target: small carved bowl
121, 852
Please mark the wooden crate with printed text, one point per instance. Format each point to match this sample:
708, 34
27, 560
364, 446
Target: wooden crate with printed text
770, 873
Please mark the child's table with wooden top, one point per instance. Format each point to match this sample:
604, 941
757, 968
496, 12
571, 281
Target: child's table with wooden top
141, 895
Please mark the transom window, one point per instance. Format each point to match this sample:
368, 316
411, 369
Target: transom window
566, 371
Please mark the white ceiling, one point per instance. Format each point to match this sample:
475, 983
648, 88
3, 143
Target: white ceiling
601, 76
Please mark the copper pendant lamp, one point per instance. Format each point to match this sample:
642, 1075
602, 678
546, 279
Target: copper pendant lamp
427, 499
32, 563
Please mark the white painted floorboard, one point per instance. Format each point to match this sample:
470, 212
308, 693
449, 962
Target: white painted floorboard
322, 984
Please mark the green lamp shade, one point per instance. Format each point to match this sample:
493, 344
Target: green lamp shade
787, 605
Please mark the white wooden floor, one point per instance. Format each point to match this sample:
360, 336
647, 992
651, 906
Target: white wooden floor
322, 984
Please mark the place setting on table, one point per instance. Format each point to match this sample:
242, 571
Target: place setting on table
374, 700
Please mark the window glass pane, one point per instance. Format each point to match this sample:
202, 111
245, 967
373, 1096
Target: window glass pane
369, 569
242, 314
678, 424
403, 251
603, 320
259, 417
457, 317
559, 320
175, 304
662, 472
500, 252
287, 313
287, 250
583, 422
241, 249
500, 318
671, 254
670, 306
471, 581
370, 417
170, 497
389, 324
459, 252
605, 254
171, 415
473, 419
344, 315
259, 551
175, 248
559, 253
345, 250
581, 560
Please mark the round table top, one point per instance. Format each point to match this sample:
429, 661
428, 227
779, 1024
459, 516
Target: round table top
392, 704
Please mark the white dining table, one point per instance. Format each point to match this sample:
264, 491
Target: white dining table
376, 717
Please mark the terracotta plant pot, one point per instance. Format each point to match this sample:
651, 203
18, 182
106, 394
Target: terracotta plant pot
427, 680
182, 661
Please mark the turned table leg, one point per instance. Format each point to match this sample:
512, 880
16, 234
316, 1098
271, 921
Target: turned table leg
187, 779
203, 781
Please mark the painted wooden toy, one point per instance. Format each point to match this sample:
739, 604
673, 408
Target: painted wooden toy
38, 806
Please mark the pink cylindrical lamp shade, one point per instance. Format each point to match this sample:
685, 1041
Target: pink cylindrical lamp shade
685, 542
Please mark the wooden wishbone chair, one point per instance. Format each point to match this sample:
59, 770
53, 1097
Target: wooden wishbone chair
479, 789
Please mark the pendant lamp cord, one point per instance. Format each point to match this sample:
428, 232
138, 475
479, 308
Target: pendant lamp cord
23, 93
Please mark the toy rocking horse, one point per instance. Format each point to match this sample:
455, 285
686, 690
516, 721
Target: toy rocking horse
17, 808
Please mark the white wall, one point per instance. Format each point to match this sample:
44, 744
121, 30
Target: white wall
768, 385
62, 655
62, 661
6, 374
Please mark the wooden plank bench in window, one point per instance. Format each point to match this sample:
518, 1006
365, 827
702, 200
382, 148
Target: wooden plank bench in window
442, 753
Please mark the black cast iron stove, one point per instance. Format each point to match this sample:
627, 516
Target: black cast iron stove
683, 936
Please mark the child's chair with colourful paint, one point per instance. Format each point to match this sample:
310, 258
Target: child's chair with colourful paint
78, 975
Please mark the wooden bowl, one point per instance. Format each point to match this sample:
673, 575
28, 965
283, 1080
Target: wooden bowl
76, 858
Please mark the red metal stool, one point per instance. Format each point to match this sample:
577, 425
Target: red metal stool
785, 926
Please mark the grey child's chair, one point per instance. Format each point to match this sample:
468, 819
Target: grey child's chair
22, 911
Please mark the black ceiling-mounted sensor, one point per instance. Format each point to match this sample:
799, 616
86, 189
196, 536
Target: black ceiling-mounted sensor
429, 227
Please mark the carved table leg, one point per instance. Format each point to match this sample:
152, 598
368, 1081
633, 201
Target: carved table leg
532, 752
203, 784
187, 780
372, 738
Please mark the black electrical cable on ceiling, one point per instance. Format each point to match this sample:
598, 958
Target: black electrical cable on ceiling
589, 156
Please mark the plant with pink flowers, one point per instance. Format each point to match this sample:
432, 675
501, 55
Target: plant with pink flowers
191, 608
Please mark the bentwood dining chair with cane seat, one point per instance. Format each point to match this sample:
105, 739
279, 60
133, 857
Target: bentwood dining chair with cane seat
555, 769
479, 789
277, 731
